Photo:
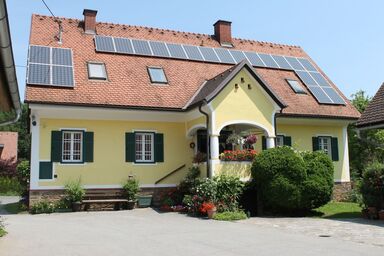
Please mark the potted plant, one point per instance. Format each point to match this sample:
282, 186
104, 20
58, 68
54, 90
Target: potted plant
74, 193
131, 188
209, 208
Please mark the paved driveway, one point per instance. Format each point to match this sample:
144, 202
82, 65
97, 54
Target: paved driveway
146, 232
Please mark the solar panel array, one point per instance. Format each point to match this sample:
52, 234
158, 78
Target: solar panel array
308, 74
50, 66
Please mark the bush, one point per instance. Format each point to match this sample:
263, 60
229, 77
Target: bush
23, 175
2, 228
74, 192
372, 188
228, 191
230, 216
8, 167
43, 207
10, 186
291, 182
191, 180
131, 188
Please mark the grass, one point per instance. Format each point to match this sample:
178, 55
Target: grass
230, 216
14, 208
9, 186
336, 210
2, 232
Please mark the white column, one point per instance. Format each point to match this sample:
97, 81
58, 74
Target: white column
345, 175
270, 142
35, 141
214, 147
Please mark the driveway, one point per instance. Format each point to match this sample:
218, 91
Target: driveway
147, 232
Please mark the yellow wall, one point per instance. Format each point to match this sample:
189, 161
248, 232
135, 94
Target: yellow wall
239, 169
243, 103
109, 166
302, 140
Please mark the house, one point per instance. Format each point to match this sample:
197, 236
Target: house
109, 101
373, 115
9, 91
8, 146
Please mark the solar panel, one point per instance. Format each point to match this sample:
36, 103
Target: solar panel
335, 97
254, 59
104, 44
61, 56
224, 55
320, 79
282, 62
141, 47
62, 76
38, 74
295, 64
193, 52
267, 59
306, 78
306, 64
238, 55
176, 51
209, 54
39, 54
159, 49
319, 94
123, 45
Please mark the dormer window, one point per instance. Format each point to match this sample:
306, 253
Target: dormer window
97, 71
296, 87
157, 75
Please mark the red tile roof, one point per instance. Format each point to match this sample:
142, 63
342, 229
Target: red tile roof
129, 86
373, 115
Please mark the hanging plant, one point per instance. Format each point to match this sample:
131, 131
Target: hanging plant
234, 139
251, 139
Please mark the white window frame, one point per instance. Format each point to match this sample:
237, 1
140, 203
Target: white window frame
102, 78
71, 150
279, 137
142, 153
323, 140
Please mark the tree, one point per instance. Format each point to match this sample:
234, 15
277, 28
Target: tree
21, 126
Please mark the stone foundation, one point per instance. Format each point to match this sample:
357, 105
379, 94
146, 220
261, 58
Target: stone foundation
341, 191
56, 195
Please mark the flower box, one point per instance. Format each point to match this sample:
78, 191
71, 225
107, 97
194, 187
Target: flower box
238, 155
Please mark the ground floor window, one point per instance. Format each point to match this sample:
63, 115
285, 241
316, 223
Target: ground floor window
72, 150
144, 144
202, 141
325, 145
279, 140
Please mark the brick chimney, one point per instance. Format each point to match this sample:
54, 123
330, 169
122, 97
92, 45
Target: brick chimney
223, 32
89, 21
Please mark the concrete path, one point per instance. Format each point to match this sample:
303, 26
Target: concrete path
145, 232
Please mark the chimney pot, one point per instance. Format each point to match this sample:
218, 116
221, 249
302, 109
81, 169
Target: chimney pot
89, 21
223, 32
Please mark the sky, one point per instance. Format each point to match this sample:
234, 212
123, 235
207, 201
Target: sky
344, 37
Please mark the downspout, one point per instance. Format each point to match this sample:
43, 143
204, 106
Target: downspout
7, 63
208, 145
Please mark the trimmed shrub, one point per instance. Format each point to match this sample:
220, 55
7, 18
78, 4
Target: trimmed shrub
372, 186
291, 182
230, 216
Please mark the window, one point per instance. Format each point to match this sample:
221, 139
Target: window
97, 71
72, 150
279, 140
144, 147
157, 75
325, 145
296, 87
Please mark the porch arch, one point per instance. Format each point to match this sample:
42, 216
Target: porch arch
267, 132
192, 131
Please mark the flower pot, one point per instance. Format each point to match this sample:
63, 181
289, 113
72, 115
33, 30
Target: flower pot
76, 206
211, 213
144, 200
381, 215
131, 205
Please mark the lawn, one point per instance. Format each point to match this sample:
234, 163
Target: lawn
14, 208
335, 210
2, 232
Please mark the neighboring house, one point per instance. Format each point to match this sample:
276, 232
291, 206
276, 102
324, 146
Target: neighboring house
9, 91
108, 101
373, 115
8, 146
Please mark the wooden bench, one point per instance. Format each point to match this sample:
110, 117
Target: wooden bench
114, 197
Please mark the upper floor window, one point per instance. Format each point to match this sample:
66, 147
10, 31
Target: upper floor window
157, 75
72, 142
296, 87
97, 71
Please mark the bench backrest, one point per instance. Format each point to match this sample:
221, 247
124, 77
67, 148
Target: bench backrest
103, 194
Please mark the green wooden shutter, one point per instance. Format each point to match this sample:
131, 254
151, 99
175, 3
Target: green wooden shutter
45, 170
159, 147
287, 141
263, 143
56, 137
88, 147
315, 143
335, 149
129, 147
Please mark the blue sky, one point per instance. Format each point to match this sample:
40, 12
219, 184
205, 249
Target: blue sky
345, 38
